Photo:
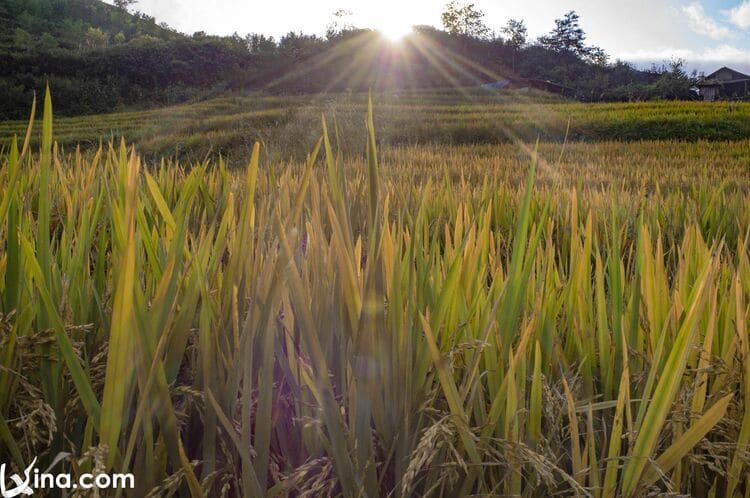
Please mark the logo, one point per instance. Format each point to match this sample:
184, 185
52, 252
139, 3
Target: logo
33, 479
22, 485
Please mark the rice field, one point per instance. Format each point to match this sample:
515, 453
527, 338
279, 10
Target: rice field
289, 126
493, 320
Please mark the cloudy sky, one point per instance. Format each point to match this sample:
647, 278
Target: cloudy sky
707, 33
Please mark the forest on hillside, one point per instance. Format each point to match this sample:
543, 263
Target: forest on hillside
98, 57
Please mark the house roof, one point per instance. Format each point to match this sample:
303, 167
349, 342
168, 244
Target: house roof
499, 84
723, 76
550, 84
728, 74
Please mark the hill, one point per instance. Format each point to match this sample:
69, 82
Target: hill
73, 25
98, 58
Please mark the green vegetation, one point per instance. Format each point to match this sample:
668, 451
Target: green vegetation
288, 126
426, 322
98, 58
73, 25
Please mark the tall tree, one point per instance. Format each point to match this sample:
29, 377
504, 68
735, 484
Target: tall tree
340, 24
567, 35
124, 4
464, 20
96, 38
260, 44
516, 32
597, 56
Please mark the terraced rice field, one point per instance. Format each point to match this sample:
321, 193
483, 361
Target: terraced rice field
288, 127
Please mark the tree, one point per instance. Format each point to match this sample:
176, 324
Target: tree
566, 36
340, 24
145, 39
47, 42
260, 44
27, 21
464, 20
673, 82
516, 32
299, 46
22, 39
96, 38
597, 56
124, 4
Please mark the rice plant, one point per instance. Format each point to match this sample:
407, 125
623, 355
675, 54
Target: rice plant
353, 328
289, 125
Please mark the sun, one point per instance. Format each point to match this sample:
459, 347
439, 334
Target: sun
394, 29
393, 19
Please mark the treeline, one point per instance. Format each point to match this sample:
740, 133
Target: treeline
74, 25
99, 57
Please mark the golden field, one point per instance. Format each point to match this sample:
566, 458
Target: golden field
425, 320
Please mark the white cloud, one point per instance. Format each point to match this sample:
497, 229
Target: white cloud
740, 15
704, 58
660, 54
725, 53
703, 24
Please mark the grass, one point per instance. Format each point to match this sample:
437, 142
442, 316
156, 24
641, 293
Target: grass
288, 126
423, 321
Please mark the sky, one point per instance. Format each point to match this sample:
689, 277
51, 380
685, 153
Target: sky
706, 33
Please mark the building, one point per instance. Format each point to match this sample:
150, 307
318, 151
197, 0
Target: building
725, 83
520, 83
552, 87
498, 85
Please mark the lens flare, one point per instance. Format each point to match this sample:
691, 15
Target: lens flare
394, 30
